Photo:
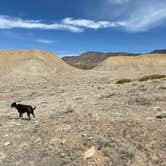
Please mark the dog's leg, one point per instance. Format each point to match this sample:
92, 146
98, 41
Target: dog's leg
28, 114
20, 115
33, 113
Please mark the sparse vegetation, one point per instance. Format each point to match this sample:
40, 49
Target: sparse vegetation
151, 77
122, 81
144, 78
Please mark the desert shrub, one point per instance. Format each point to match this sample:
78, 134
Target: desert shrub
151, 77
122, 81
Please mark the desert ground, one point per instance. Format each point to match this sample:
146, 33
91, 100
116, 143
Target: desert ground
83, 117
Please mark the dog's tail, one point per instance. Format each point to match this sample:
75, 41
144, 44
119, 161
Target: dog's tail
34, 107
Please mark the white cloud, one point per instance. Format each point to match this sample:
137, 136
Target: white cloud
146, 15
45, 41
85, 23
10, 22
145, 19
135, 16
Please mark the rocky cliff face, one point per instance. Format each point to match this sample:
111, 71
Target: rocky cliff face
89, 60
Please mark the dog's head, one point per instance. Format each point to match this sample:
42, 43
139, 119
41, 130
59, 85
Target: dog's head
14, 104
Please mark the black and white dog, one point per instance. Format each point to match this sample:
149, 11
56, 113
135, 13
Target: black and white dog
21, 108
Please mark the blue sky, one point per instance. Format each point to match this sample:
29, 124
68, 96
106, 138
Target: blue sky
71, 27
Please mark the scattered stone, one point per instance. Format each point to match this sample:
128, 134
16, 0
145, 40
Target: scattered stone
90, 138
6, 135
89, 153
18, 124
23, 145
7, 143
63, 141
53, 141
2, 155
38, 140
158, 109
161, 115
69, 109
162, 87
84, 135
62, 155
78, 98
154, 157
93, 157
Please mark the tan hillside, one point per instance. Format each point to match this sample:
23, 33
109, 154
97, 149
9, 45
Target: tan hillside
32, 62
145, 64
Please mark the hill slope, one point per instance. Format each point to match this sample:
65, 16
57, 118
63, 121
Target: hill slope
32, 62
126, 65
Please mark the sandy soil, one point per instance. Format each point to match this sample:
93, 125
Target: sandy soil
82, 117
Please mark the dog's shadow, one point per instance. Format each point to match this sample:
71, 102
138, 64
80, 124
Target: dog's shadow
16, 118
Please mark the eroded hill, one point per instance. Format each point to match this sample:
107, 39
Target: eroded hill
134, 65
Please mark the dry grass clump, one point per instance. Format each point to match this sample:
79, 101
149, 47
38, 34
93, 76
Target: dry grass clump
151, 77
123, 80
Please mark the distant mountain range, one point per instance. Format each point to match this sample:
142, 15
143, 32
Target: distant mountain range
89, 60
158, 52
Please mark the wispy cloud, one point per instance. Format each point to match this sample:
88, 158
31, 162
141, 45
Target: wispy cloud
85, 23
10, 22
45, 41
136, 15
146, 18
132, 16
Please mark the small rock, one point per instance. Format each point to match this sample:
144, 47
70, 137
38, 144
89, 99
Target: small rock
63, 141
158, 109
161, 115
63, 155
90, 138
84, 135
38, 140
2, 155
162, 87
93, 157
6, 135
53, 141
69, 109
7, 143
154, 157
89, 153
23, 145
